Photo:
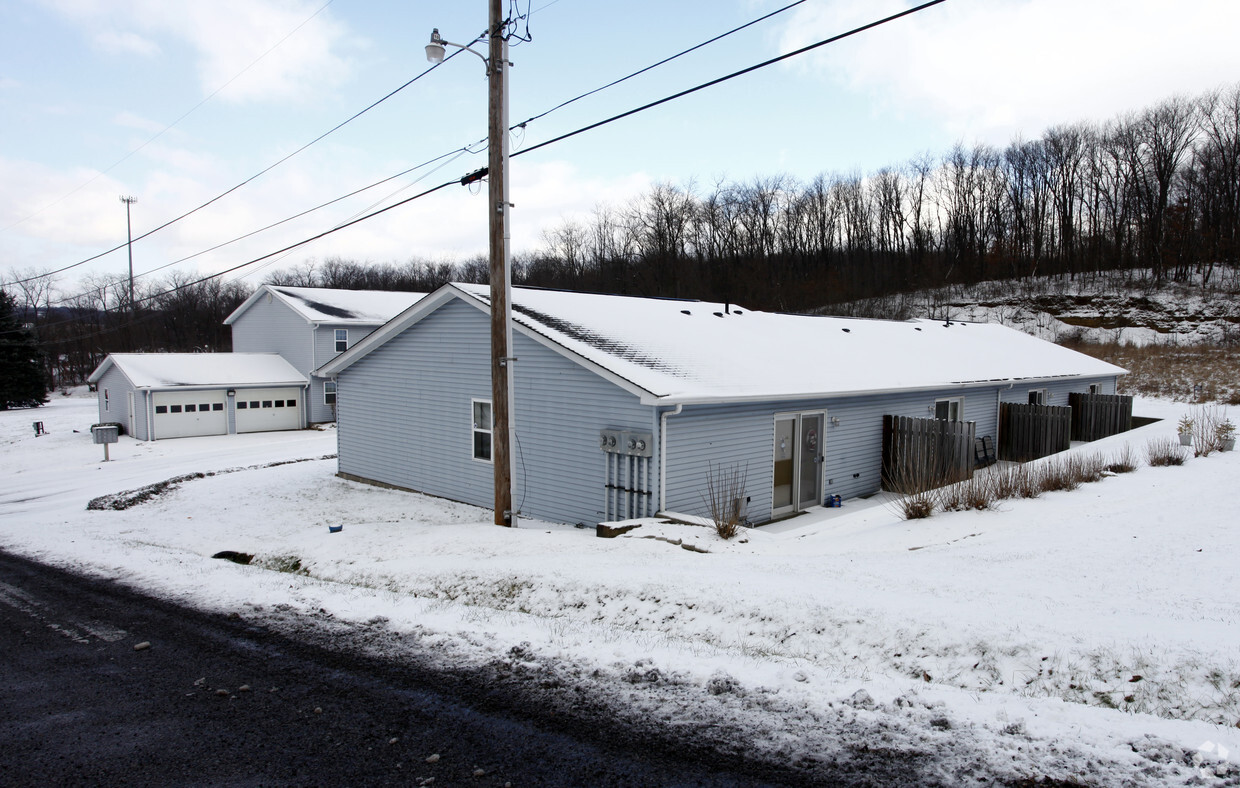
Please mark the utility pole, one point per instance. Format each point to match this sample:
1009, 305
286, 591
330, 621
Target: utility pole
499, 238
129, 234
501, 271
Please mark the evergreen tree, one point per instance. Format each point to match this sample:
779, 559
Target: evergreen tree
22, 383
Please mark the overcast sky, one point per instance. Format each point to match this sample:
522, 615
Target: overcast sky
94, 96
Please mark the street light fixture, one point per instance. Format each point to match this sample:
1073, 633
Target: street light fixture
499, 236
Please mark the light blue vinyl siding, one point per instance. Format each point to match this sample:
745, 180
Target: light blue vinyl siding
1057, 389
743, 435
404, 418
118, 388
274, 327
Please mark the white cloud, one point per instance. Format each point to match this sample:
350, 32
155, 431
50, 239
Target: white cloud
127, 42
992, 68
226, 37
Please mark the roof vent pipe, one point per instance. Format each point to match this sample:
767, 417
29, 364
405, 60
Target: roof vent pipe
727, 308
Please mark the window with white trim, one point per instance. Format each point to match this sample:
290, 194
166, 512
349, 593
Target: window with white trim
949, 408
106, 405
1038, 397
1095, 388
329, 392
482, 426
342, 340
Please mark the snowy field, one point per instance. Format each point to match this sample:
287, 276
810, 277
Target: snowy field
1091, 635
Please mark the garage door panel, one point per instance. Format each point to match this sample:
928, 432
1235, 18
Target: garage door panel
184, 414
265, 410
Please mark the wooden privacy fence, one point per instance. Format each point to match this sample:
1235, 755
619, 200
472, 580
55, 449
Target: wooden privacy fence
1097, 416
1027, 432
925, 453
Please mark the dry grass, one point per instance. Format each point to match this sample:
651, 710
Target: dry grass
1187, 373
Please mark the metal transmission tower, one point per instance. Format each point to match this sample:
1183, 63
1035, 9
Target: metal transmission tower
129, 235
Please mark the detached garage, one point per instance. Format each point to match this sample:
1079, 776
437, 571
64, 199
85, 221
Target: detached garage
181, 395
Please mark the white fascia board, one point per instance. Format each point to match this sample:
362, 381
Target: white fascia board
751, 398
391, 328
271, 384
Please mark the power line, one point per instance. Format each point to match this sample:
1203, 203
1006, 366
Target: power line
554, 140
521, 125
451, 156
733, 75
662, 62
256, 175
169, 127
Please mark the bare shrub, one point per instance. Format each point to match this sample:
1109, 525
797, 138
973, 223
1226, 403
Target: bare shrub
724, 498
1088, 468
1207, 421
978, 492
1124, 460
1058, 473
918, 487
1164, 451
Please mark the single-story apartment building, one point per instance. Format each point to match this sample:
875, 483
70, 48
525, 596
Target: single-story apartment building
178, 395
310, 326
624, 405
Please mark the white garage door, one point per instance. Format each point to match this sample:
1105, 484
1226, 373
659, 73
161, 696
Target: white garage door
182, 414
264, 410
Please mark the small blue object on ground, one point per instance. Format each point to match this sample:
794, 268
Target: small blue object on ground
335, 529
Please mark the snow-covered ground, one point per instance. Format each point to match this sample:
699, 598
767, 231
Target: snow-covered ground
1090, 635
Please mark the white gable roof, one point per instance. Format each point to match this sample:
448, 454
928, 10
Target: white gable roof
328, 305
691, 351
199, 370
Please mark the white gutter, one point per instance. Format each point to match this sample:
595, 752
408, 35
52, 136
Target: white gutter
663, 454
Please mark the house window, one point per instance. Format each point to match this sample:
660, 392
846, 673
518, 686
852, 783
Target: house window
482, 429
1095, 388
342, 340
242, 404
292, 403
949, 408
329, 392
161, 408
279, 403
174, 409
106, 405
190, 408
217, 406
1038, 396
253, 404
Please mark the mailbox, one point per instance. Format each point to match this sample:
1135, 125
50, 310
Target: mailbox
105, 433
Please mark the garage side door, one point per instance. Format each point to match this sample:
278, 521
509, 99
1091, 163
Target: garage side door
265, 410
184, 414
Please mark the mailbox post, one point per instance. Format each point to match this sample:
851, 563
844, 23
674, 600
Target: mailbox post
105, 434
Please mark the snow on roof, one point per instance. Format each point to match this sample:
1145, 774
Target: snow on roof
692, 351
328, 305
174, 370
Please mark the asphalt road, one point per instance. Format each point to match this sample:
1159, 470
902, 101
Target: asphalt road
217, 700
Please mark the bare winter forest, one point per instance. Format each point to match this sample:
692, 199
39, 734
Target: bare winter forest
1149, 198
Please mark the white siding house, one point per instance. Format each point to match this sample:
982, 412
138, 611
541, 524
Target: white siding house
178, 395
310, 326
622, 404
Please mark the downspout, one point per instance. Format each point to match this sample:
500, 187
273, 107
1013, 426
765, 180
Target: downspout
150, 423
663, 454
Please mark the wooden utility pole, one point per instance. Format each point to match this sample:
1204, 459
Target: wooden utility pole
500, 275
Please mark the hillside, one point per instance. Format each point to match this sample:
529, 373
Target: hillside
1180, 341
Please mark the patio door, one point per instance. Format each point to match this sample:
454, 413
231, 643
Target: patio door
797, 462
